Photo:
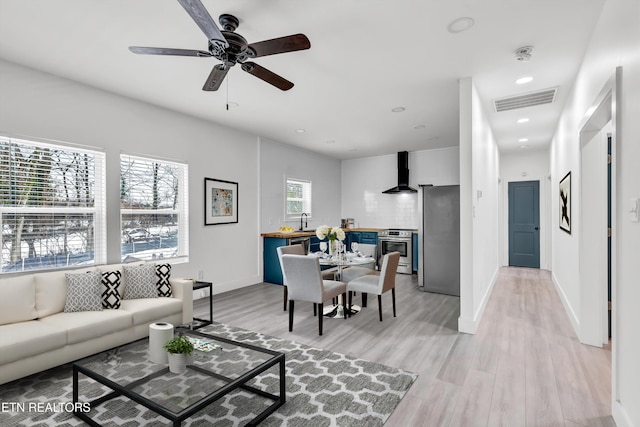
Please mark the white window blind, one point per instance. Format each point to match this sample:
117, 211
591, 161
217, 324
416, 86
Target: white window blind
154, 209
298, 198
52, 206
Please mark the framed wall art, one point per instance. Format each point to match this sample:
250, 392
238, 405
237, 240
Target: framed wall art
220, 201
565, 203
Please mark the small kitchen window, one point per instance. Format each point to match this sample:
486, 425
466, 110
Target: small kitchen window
298, 198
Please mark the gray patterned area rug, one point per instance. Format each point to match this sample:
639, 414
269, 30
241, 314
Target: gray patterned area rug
323, 389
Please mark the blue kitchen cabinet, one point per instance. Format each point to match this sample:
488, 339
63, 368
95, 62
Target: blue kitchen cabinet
314, 245
271, 263
369, 237
352, 236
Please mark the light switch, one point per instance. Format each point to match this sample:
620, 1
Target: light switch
634, 209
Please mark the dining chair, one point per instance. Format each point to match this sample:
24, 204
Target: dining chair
305, 283
353, 272
328, 274
378, 284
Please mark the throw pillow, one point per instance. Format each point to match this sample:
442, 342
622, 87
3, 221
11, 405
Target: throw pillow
140, 281
110, 289
163, 272
83, 292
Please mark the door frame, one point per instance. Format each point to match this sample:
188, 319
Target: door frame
543, 206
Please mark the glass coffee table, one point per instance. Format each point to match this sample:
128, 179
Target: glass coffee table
222, 367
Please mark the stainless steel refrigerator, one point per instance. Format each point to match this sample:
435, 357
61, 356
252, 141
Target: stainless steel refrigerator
441, 239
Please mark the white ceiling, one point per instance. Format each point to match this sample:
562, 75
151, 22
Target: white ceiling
366, 58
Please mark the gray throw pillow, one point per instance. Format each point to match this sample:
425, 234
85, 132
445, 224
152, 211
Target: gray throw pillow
83, 292
140, 281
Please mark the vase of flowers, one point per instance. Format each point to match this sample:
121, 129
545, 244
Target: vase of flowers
333, 235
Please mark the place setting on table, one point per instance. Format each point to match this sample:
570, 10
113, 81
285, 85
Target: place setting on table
344, 260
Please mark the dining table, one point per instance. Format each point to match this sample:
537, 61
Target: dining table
342, 260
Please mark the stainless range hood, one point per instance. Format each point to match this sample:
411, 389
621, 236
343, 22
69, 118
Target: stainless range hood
403, 176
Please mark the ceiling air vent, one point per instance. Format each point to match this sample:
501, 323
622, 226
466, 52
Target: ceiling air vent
531, 99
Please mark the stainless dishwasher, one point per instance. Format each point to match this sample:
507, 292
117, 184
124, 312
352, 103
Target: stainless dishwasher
305, 241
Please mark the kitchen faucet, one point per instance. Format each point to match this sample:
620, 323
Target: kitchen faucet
305, 221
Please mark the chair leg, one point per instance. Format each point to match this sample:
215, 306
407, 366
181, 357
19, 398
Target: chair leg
364, 299
344, 305
321, 309
393, 299
380, 306
291, 316
315, 312
350, 302
286, 294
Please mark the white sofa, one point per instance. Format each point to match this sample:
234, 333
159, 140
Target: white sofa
36, 334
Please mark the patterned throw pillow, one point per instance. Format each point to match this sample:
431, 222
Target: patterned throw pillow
83, 292
140, 281
110, 289
163, 271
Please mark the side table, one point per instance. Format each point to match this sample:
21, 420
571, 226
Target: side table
204, 322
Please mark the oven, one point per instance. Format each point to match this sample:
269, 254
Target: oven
397, 241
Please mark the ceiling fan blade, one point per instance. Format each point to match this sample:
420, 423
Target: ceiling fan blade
215, 77
279, 45
168, 51
266, 75
199, 14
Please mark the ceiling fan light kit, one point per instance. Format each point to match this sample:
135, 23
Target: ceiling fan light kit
231, 48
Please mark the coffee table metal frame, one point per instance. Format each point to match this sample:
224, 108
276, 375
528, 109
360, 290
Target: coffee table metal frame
177, 418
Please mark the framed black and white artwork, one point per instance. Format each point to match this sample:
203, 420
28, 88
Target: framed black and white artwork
565, 203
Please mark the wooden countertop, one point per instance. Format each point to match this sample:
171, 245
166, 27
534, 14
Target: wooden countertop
280, 235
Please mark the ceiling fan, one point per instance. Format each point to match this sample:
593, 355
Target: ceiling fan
231, 48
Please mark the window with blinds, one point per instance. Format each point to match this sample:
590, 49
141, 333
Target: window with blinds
298, 198
52, 206
153, 209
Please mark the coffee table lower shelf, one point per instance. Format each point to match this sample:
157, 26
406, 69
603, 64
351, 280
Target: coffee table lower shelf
177, 417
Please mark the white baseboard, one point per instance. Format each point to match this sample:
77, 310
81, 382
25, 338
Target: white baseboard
470, 326
620, 415
567, 306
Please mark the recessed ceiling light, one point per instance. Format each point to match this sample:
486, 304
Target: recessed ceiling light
523, 139
524, 147
416, 127
300, 130
398, 109
523, 120
461, 24
523, 80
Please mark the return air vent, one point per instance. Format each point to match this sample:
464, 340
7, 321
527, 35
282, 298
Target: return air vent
542, 97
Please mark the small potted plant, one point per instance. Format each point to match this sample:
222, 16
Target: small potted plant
179, 348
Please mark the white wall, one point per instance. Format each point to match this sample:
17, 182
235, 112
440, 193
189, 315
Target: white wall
479, 208
525, 166
41, 105
365, 179
615, 42
278, 161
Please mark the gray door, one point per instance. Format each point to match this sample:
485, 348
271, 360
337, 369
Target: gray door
524, 224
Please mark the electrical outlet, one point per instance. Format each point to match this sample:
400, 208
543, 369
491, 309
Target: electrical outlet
200, 274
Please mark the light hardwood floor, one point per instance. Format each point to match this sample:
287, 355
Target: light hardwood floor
524, 366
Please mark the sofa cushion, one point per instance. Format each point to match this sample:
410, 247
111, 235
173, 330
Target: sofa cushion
85, 325
163, 271
17, 299
83, 292
111, 296
26, 339
140, 281
150, 310
51, 291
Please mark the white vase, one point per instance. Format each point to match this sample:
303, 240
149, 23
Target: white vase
177, 363
333, 247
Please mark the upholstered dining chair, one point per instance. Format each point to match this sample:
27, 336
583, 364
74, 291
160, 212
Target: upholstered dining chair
305, 283
378, 284
353, 272
328, 274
